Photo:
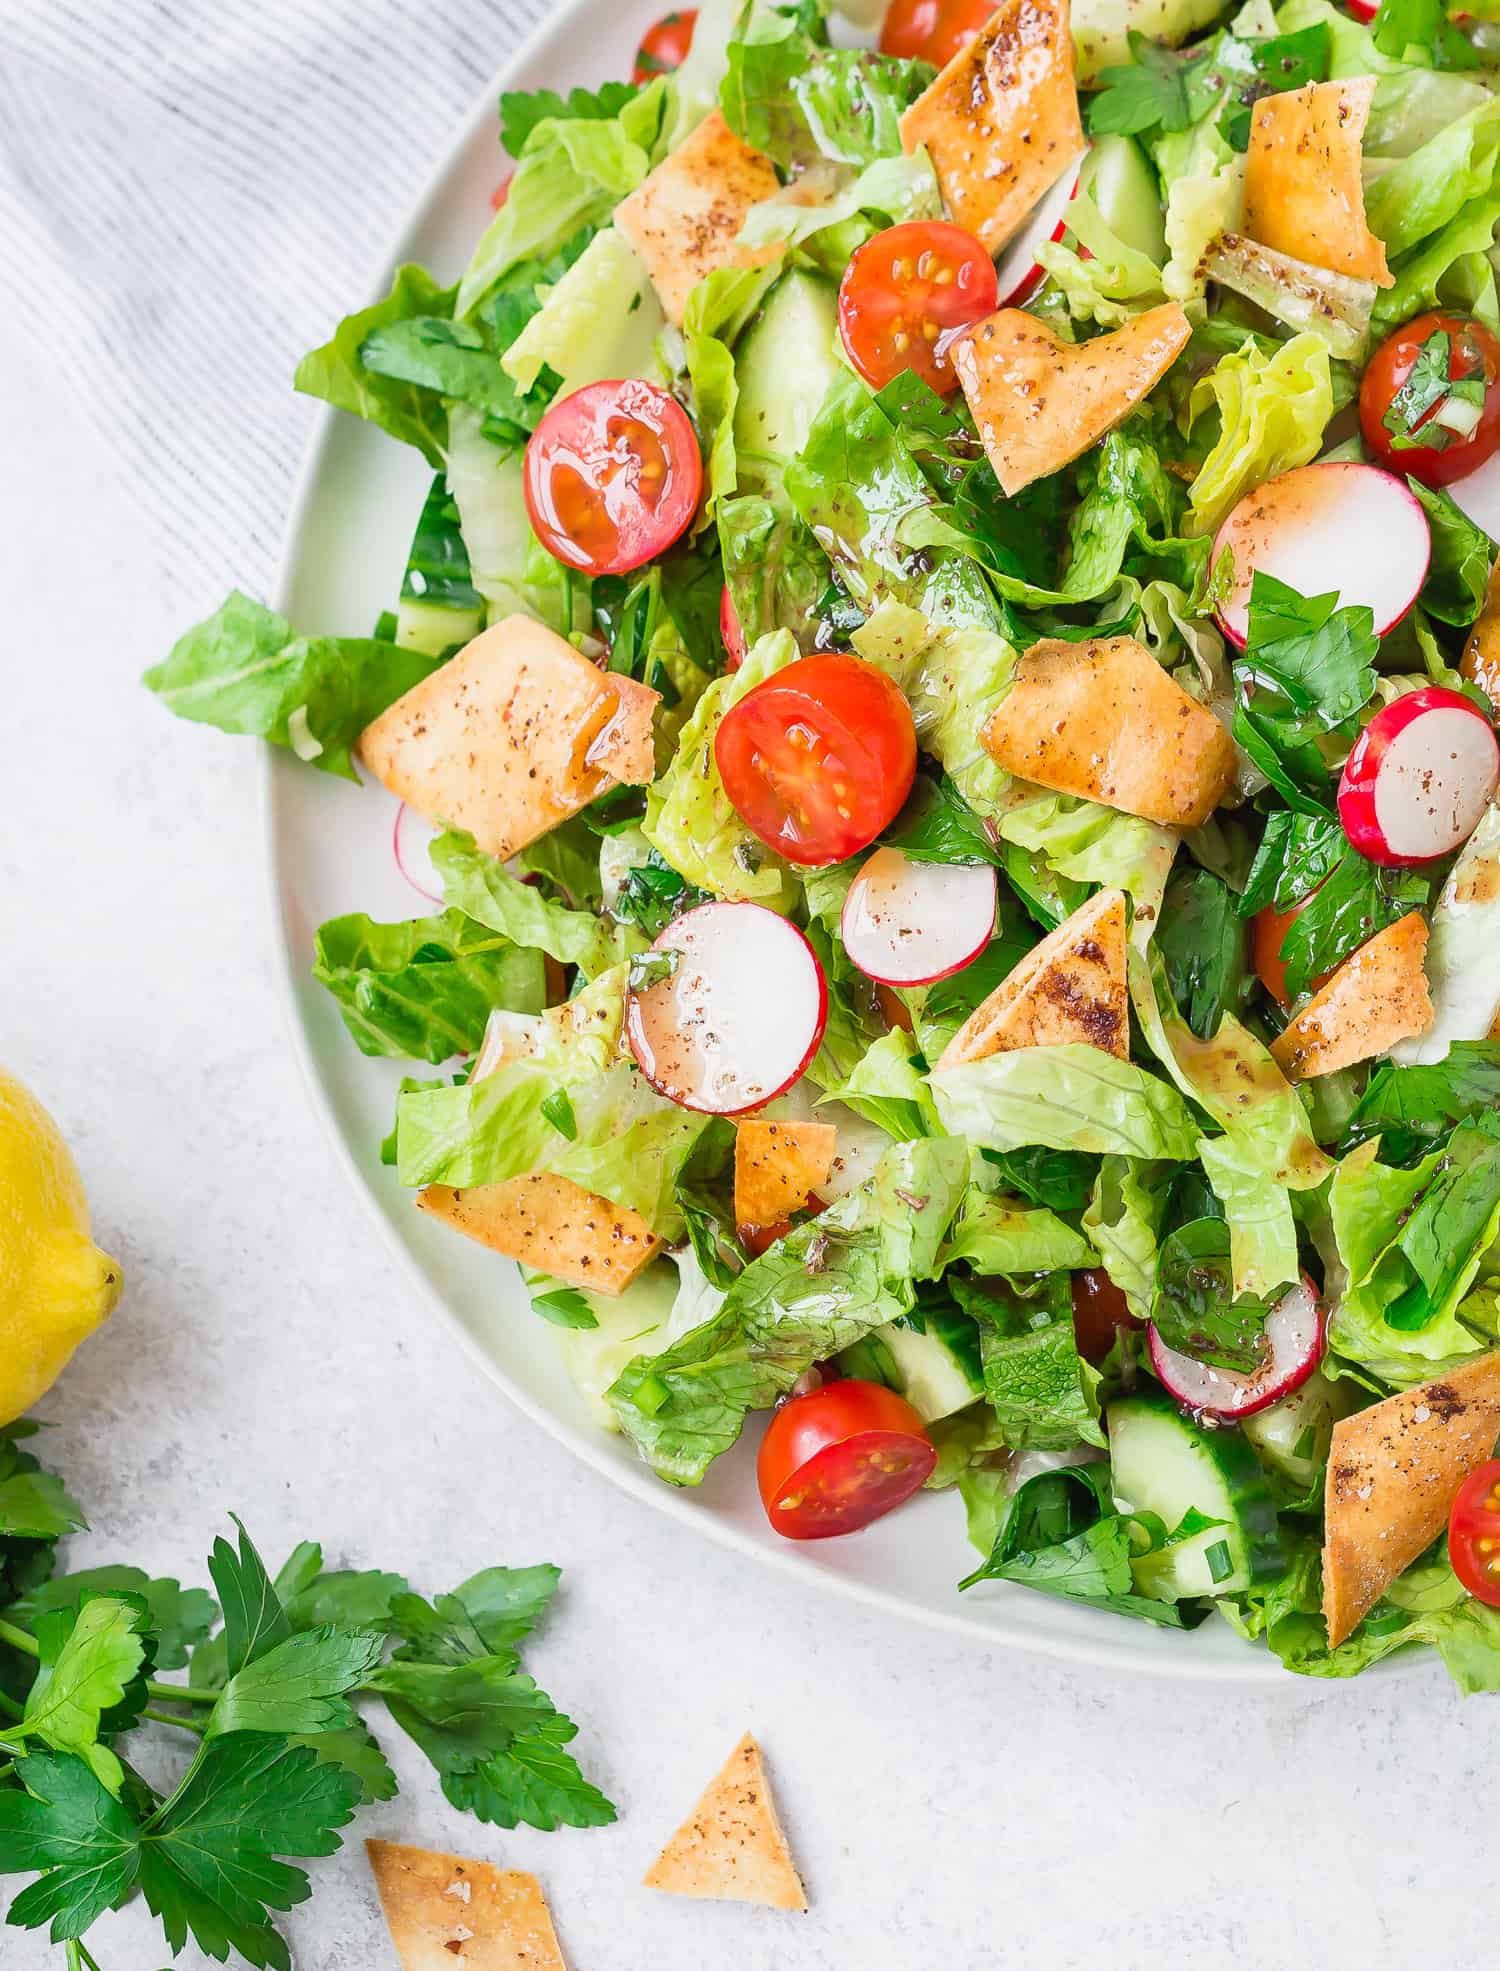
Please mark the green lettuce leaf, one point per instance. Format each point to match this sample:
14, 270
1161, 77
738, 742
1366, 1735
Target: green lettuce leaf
1272, 409
336, 372
483, 889
1122, 1220
992, 1234
423, 990
600, 319
1042, 1394
1073, 1097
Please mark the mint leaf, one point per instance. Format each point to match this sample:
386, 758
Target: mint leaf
1411, 1107
70, 1828
298, 1687
1195, 1308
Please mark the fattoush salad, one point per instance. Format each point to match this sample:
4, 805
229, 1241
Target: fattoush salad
946, 676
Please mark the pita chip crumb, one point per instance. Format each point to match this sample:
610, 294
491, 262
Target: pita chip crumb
445, 1911
732, 1846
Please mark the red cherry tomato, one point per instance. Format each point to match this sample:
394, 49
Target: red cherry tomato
613, 475
501, 192
1268, 929
932, 30
757, 1239
820, 758
835, 1459
1474, 1533
665, 45
730, 633
1099, 1311
905, 295
1437, 448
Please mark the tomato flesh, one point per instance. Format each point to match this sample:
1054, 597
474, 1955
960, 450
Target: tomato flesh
1100, 1310
613, 475
819, 758
1474, 1533
1268, 929
932, 30
1439, 436
664, 45
841, 1456
730, 634
906, 294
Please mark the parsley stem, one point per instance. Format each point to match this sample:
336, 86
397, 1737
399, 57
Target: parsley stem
7, 1769
166, 1718
8, 1703
182, 1693
18, 1639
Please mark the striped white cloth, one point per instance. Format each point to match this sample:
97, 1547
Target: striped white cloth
191, 193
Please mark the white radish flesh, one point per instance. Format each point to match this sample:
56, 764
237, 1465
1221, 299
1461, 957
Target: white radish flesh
1478, 495
1419, 777
1018, 272
909, 923
1332, 527
411, 838
740, 1015
1295, 1330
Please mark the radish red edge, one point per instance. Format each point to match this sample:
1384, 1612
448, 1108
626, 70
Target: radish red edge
1291, 490
404, 849
1019, 272
938, 898
648, 1056
1297, 1331
1418, 778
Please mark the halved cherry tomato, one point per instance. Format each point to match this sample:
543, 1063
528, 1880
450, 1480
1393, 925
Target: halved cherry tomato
835, 1459
730, 633
757, 1239
1474, 1533
905, 295
1099, 1311
1440, 434
1268, 929
932, 30
820, 758
665, 45
613, 474
501, 192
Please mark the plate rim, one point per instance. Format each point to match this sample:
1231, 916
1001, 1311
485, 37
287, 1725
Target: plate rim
1259, 1669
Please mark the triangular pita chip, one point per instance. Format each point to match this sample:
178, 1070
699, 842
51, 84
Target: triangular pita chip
778, 1166
1103, 720
732, 1846
1000, 122
1375, 998
551, 1223
511, 736
446, 1913
1070, 988
1304, 182
1040, 402
1393, 1471
1481, 659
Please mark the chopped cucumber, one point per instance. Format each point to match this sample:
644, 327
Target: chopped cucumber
1293, 1436
636, 1322
785, 366
1101, 28
937, 1368
440, 607
1123, 185
1165, 1464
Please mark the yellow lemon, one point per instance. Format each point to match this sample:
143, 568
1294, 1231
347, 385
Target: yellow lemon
56, 1286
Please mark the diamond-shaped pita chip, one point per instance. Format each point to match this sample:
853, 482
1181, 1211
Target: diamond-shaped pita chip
731, 1846
447, 1913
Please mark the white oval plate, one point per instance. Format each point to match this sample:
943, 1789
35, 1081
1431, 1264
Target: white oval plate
329, 846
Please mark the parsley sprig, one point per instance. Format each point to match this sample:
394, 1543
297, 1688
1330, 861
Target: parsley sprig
281, 1753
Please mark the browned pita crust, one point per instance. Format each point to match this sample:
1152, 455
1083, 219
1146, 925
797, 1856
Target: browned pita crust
1102, 719
446, 1913
1304, 184
1375, 998
1001, 122
551, 1223
1070, 988
1393, 1471
778, 1166
1040, 402
1481, 659
732, 1846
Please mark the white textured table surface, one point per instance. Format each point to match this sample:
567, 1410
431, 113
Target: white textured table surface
181, 213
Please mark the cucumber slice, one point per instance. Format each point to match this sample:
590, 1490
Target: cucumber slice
938, 1370
1293, 1436
1120, 181
785, 366
1165, 1464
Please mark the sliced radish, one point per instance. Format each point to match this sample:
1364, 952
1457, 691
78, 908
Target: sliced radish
909, 923
1018, 271
1478, 495
1419, 777
730, 634
740, 1015
1363, 10
411, 838
1295, 1330
1332, 526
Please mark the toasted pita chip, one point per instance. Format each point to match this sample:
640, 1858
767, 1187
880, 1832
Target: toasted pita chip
778, 1166
731, 1846
1480, 662
551, 1223
1104, 720
444, 1911
1070, 988
511, 736
1374, 999
1000, 122
1040, 402
1393, 1471
684, 219
1304, 188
